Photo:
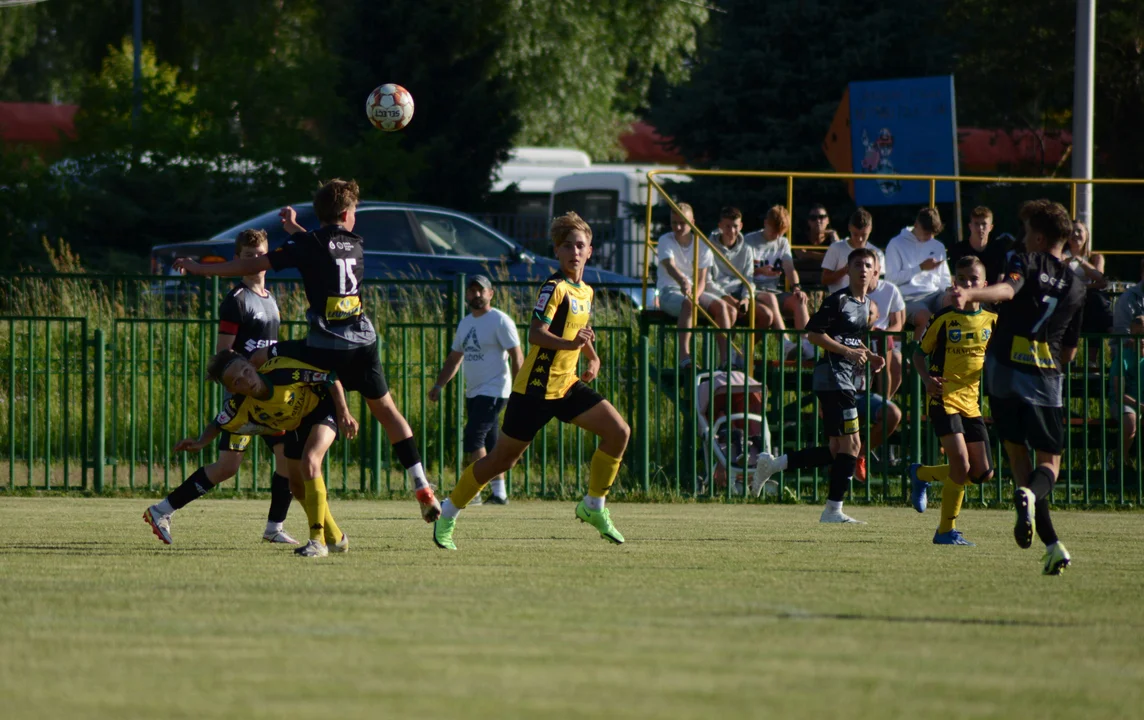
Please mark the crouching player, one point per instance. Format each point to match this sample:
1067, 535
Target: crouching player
303, 406
547, 387
838, 328
949, 361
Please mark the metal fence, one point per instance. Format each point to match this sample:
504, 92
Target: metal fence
100, 408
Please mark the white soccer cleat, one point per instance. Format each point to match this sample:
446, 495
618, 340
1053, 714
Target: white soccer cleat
341, 546
312, 549
160, 524
837, 516
766, 466
279, 537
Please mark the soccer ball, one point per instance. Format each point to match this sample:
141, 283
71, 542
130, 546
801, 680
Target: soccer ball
389, 107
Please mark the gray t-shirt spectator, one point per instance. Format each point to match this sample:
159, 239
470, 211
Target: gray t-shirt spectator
1128, 305
721, 280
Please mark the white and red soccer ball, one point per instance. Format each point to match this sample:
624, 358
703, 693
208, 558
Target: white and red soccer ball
389, 107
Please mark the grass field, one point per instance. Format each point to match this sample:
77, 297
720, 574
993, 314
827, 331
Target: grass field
709, 611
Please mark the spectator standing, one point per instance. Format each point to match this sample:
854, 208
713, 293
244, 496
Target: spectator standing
772, 260
488, 344
675, 255
993, 254
915, 262
834, 264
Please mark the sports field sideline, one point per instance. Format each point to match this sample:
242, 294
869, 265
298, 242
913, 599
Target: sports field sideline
707, 611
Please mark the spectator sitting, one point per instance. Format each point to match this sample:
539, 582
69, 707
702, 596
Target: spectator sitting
992, 254
818, 234
835, 274
891, 318
772, 260
1084, 263
915, 262
675, 257
1126, 394
1129, 305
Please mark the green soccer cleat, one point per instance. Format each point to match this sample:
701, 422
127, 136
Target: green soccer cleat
601, 520
443, 533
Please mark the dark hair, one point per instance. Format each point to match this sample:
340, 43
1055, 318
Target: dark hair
730, 213
967, 262
334, 198
929, 220
861, 219
218, 364
1048, 218
250, 238
862, 252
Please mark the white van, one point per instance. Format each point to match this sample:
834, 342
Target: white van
603, 196
534, 172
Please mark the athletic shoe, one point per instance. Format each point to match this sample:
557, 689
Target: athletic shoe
601, 520
1024, 500
953, 537
808, 350
341, 546
475, 502
766, 466
1056, 559
496, 500
160, 524
788, 347
443, 533
919, 497
860, 469
430, 506
312, 549
278, 536
837, 516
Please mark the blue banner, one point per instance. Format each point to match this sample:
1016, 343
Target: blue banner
903, 127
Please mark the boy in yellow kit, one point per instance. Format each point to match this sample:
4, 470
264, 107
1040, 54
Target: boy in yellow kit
546, 387
954, 342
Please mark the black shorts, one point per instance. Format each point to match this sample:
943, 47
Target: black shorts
1020, 423
359, 369
228, 442
527, 414
973, 428
482, 412
839, 412
324, 414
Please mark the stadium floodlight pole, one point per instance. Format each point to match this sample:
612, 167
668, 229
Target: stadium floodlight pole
1083, 106
137, 75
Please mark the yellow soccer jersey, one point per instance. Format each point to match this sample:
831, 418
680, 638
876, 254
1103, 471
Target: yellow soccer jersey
296, 389
955, 342
566, 308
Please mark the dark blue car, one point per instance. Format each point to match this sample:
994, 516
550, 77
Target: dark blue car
405, 241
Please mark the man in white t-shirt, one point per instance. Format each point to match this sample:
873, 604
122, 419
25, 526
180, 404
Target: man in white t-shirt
915, 262
772, 259
677, 281
834, 264
487, 343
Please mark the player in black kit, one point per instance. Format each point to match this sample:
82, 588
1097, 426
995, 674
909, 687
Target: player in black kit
838, 328
248, 322
1038, 325
341, 337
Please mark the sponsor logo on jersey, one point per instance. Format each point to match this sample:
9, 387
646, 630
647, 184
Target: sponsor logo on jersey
543, 298
341, 245
251, 345
343, 308
1033, 353
955, 334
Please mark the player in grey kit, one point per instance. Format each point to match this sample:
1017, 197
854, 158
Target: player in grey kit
248, 322
838, 328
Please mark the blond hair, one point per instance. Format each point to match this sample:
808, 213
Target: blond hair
567, 224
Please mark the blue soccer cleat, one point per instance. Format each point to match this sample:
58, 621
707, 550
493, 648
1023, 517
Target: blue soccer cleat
918, 497
953, 537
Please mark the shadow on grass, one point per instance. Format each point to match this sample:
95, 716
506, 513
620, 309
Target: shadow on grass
92, 548
997, 622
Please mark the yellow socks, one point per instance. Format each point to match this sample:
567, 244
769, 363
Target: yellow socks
332, 531
933, 473
951, 496
317, 510
602, 474
467, 488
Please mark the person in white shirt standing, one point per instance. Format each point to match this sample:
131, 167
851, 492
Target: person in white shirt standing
915, 262
487, 343
834, 265
675, 256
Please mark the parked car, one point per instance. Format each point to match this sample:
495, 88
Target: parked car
405, 241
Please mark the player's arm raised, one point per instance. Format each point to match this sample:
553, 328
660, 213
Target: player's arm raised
232, 268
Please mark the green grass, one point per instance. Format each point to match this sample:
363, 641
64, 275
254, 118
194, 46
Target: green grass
708, 611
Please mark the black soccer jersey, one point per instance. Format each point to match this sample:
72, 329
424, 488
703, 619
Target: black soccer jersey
250, 317
845, 319
331, 261
1043, 316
